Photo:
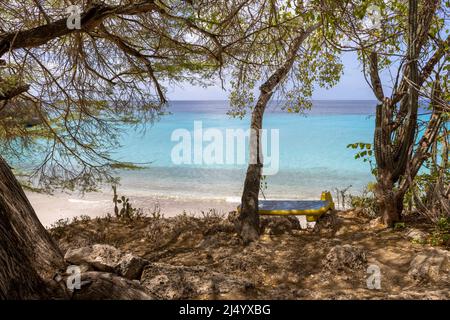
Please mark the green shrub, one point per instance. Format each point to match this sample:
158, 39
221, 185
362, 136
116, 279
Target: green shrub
366, 201
127, 212
441, 233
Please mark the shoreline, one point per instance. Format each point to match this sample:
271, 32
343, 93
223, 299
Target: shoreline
66, 205
51, 208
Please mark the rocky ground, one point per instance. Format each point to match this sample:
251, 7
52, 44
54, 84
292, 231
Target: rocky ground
188, 257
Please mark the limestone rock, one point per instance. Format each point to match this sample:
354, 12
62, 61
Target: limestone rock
107, 258
100, 256
130, 266
279, 225
430, 265
439, 294
181, 282
416, 235
345, 257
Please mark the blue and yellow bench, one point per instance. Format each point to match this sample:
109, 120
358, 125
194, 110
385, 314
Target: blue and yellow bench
312, 209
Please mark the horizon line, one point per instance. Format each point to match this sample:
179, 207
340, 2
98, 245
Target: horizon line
174, 100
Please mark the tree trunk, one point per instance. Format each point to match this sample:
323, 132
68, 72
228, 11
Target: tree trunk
29, 258
249, 218
394, 145
108, 286
389, 202
248, 226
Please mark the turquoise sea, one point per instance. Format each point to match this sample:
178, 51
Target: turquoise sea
312, 152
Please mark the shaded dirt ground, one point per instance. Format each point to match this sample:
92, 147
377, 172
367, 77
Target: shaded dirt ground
327, 262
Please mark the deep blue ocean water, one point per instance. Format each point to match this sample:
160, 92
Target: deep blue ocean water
312, 152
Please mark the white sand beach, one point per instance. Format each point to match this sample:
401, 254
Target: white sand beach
50, 208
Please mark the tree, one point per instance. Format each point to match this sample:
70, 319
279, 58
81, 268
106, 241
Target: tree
294, 48
65, 92
410, 43
78, 85
28, 256
430, 190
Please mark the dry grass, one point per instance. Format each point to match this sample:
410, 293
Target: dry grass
288, 264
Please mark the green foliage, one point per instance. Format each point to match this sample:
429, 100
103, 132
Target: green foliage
317, 64
126, 212
366, 201
58, 228
8, 82
443, 224
428, 192
86, 85
126, 166
441, 233
365, 153
399, 226
26, 185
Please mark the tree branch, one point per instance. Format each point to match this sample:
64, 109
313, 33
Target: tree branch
375, 76
135, 53
426, 141
15, 91
90, 19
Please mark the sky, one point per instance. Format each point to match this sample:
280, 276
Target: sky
352, 86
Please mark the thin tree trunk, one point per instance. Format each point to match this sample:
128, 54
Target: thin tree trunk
248, 226
249, 218
29, 258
